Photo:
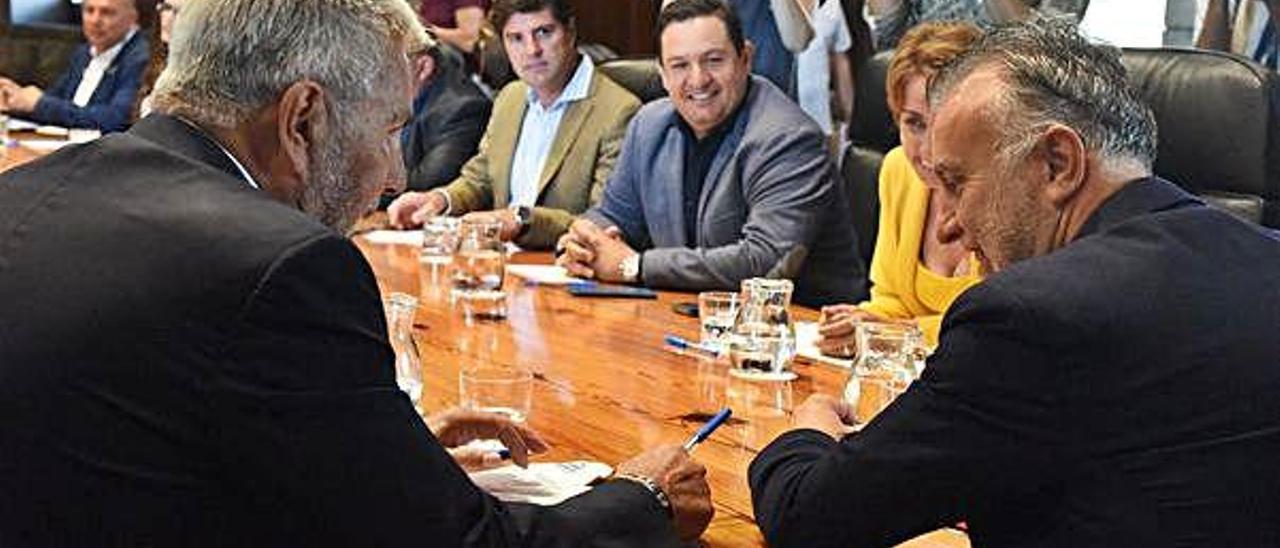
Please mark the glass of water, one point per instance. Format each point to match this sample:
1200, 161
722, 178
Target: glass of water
888, 360
716, 311
497, 389
478, 269
439, 240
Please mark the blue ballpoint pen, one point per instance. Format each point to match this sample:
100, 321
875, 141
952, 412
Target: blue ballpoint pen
706, 430
683, 344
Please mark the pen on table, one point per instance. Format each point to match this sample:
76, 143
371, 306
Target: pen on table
707, 429
684, 344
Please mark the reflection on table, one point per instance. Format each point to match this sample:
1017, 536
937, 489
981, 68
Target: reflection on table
605, 388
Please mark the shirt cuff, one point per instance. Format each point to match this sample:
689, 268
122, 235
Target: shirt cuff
448, 202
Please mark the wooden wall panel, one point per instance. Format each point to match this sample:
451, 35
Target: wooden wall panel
626, 26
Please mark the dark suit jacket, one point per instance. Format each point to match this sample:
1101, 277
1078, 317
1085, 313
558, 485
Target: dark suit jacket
449, 117
1121, 391
112, 101
187, 362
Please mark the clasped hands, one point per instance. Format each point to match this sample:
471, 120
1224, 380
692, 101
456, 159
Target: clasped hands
588, 251
681, 478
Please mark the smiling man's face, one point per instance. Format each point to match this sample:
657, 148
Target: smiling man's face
705, 75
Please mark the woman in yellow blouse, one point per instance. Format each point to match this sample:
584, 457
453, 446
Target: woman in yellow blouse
914, 275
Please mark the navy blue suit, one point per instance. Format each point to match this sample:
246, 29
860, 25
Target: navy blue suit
113, 100
1121, 391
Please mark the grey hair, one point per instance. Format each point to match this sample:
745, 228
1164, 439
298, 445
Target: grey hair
229, 58
1052, 74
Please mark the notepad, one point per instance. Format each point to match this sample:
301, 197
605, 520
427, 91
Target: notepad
544, 483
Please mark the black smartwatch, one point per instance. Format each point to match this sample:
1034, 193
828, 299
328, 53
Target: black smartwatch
524, 216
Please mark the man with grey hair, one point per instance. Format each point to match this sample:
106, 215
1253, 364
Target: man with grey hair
195, 355
1111, 383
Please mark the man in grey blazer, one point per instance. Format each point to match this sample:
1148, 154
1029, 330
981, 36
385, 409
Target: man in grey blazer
726, 179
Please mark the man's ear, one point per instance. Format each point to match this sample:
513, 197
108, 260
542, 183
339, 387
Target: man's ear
301, 121
1065, 163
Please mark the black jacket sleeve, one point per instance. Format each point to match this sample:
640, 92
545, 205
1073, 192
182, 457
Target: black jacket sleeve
324, 449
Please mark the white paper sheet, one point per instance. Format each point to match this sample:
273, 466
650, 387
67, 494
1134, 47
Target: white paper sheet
18, 124
544, 483
394, 237
42, 145
807, 346
542, 274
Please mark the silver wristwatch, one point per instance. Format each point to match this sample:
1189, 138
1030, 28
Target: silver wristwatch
630, 268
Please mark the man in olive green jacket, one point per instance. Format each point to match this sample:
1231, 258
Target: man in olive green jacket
552, 140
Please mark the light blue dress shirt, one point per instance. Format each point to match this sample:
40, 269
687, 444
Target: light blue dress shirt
538, 134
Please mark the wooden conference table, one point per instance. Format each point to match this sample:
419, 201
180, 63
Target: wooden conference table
604, 387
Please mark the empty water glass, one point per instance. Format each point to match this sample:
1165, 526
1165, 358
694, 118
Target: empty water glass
497, 389
888, 360
478, 269
716, 311
439, 240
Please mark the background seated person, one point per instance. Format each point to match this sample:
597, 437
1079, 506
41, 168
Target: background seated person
727, 179
449, 117
552, 139
913, 274
1112, 381
100, 86
893, 18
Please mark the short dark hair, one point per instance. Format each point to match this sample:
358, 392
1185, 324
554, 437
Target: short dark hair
684, 10
502, 11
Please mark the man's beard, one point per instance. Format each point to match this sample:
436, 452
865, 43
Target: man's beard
331, 192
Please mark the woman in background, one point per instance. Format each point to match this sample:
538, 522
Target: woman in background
914, 275
165, 11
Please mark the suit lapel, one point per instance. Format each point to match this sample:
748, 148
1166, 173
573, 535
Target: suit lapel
574, 116
668, 193
502, 147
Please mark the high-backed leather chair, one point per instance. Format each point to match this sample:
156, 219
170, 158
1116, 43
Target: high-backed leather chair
1219, 126
640, 75
1219, 131
872, 133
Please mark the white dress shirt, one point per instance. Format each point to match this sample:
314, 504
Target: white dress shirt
538, 134
99, 62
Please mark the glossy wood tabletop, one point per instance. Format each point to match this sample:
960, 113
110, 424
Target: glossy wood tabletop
17, 155
605, 387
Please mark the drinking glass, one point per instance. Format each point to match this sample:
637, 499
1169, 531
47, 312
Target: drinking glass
478, 269
716, 310
497, 389
887, 361
764, 338
439, 240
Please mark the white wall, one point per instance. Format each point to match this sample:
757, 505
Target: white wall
1131, 23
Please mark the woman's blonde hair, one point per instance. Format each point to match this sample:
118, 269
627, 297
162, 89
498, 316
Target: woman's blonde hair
924, 50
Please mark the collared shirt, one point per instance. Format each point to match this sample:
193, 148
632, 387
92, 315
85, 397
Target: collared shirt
99, 62
698, 157
538, 134
243, 172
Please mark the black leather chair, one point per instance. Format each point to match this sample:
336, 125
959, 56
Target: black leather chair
640, 75
872, 133
1219, 126
1219, 131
